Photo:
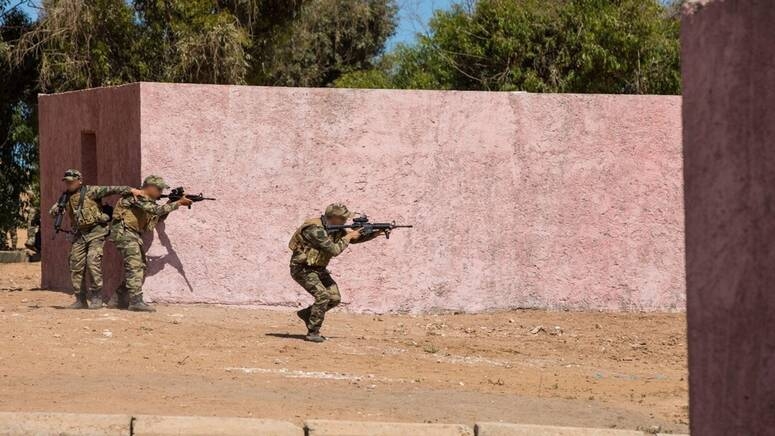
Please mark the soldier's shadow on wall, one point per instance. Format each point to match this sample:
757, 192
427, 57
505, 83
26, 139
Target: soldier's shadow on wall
158, 263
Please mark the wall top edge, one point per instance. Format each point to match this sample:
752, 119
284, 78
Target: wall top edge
354, 90
87, 90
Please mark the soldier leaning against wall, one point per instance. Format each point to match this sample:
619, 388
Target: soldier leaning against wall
131, 218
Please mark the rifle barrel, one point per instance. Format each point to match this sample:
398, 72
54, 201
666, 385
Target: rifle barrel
359, 225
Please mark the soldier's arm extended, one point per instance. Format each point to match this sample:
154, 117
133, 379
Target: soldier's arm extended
150, 206
98, 192
319, 239
366, 238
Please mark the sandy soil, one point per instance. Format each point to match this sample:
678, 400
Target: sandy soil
586, 369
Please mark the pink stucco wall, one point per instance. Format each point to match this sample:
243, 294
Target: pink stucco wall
518, 200
727, 56
113, 115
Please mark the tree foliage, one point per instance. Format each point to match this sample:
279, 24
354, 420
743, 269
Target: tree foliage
88, 43
192, 41
18, 138
81, 44
600, 46
327, 39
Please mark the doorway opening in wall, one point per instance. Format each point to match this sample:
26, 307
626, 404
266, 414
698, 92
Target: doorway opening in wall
89, 157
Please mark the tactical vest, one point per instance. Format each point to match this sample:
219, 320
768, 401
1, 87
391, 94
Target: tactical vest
134, 218
299, 245
89, 214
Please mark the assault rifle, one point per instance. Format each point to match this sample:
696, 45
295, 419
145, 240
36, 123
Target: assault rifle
366, 227
60, 214
178, 193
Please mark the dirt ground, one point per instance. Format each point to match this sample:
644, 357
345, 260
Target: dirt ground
562, 368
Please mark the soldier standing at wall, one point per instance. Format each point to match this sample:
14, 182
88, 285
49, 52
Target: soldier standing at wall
131, 218
89, 229
313, 247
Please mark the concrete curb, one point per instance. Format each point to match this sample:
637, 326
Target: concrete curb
16, 256
151, 425
321, 427
69, 424
75, 424
502, 429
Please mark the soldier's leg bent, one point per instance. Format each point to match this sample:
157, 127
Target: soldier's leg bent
94, 266
334, 297
310, 281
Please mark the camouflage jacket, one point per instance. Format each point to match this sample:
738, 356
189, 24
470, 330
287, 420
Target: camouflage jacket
89, 220
141, 214
313, 246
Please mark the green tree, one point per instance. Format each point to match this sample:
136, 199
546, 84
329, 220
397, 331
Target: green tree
192, 41
601, 46
323, 40
264, 42
405, 67
87, 43
83, 44
18, 139
91, 43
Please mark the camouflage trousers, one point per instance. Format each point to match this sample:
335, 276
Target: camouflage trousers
318, 282
86, 257
130, 245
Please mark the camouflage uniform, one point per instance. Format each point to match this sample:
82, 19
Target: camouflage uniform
90, 228
313, 248
33, 227
131, 218
14, 237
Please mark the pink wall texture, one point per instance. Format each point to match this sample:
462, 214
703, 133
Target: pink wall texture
518, 200
727, 56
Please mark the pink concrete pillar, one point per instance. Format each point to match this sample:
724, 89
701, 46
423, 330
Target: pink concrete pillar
98, 132
728, 63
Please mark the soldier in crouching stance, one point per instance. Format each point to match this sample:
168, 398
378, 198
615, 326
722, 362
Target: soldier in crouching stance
313, 247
